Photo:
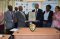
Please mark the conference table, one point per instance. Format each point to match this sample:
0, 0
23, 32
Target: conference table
4, 36
39, 33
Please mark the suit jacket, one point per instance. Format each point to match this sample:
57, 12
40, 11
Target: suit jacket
8, 19
49, 17
20, 19
39, 17
39, 14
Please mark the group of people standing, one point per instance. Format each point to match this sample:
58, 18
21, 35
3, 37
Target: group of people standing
17, 18
14, 19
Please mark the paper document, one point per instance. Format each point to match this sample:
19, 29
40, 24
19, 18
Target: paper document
14, 29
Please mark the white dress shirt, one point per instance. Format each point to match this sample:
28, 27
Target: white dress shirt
36, 10
11, 12
46, 14
15, 11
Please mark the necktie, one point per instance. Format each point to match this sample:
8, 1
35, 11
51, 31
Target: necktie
36, 12
12, 14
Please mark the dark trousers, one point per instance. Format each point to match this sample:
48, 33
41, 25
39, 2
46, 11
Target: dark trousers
15, 25
47, 24
8, 31
2, 29
38, 24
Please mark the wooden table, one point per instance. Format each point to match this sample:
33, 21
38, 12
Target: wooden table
5, 37
39, 33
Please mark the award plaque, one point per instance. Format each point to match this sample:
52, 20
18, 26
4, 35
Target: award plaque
32, 27
32, 16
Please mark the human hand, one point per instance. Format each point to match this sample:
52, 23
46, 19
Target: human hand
44, 22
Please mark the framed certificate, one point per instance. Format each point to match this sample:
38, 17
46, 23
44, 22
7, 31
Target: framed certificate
32, 16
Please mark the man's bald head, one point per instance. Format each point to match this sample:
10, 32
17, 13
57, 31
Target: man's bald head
20, 8
36, 6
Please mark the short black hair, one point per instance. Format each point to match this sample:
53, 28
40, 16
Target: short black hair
9, 6
58, 7
48, 6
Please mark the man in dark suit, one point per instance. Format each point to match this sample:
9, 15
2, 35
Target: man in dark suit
39, 15
47, 16
15, 22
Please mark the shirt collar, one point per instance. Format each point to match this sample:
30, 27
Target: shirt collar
35, 9
47, 12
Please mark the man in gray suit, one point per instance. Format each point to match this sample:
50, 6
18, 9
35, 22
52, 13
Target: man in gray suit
20, 17
8, 16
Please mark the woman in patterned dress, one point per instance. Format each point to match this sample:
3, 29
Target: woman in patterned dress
56, 18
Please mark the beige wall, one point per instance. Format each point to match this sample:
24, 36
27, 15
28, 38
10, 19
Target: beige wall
59, 2
5, 3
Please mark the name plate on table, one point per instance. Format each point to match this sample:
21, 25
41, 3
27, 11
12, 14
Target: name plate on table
32, 16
